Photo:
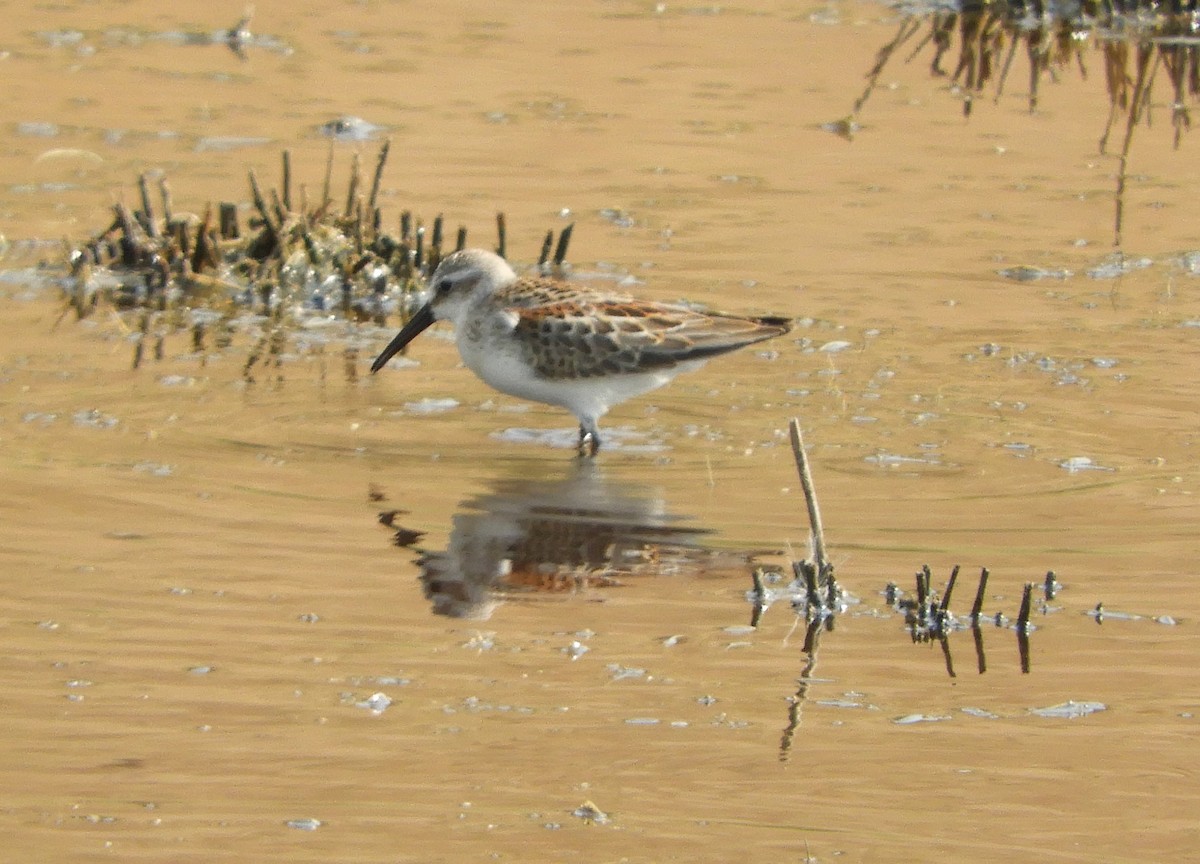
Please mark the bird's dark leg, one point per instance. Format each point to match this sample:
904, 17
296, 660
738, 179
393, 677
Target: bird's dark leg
589, 439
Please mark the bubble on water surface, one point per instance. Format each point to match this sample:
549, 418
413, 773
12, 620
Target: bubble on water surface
1070, 709
575, 650
376, 703
431, 406
981, 713
909, 719
94, 419
304, 824
38, 130
223, 144
1081, 463
620, 673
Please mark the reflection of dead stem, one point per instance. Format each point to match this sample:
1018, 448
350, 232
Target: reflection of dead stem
991, 33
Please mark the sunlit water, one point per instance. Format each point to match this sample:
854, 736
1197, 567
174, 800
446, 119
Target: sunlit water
216, 651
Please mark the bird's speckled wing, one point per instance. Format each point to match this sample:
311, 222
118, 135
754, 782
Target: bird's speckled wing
578, 333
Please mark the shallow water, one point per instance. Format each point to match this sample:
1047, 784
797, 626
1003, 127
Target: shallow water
202, 604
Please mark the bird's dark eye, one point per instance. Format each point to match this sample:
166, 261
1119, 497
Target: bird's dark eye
442, 286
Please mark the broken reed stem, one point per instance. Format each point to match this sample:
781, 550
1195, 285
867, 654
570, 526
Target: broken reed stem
807, 573
1026, 604
435, 243
564, 239
147, 207
328, 185
502, 233
547, 245
378, 178
287, 181
949, 589
810, 495
352, 194
228, 221
164, 191
260, 204
977, 606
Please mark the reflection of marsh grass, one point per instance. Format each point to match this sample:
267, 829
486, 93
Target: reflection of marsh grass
1136, 42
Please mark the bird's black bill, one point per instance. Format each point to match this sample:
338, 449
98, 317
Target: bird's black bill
409, 332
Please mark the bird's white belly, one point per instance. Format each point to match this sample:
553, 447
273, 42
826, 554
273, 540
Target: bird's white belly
501, 365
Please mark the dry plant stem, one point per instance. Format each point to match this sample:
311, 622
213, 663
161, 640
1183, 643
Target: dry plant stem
260, 204
977, 606
325, 188
228, 221
164, 192
378, 179
147, 207
922, 594
810, 496
949, 589
502, 233
1026, 604
287, 180
352, 195
564, 240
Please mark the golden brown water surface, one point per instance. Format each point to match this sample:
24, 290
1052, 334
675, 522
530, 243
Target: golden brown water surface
200, 602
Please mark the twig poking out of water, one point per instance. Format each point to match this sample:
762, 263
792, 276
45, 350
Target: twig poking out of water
1051, 586
1026, 604
355, 179
502, 234
945, 605
150, 223
928, 620
810, 499
286, 180
228, 220
264, 212
821, 598
564, 240
435, 243
378, 179
977, 606
164, 191
327, 186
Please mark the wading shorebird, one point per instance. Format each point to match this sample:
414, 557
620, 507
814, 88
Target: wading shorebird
563, 344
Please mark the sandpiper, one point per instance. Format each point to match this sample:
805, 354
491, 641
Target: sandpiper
556, 342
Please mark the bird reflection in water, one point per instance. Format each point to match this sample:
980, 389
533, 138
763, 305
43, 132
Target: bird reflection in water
562, 536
